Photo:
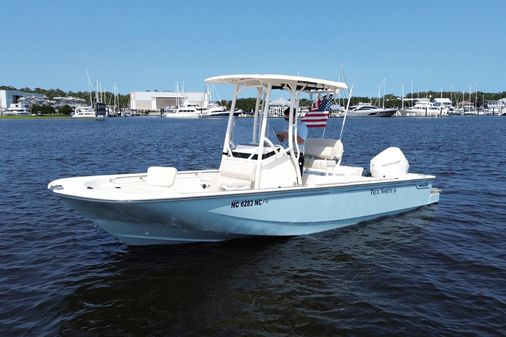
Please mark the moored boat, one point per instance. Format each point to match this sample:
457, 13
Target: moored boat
258, 190
17, 109
185, 112
368, 110
425, 108
213, 111
84, 112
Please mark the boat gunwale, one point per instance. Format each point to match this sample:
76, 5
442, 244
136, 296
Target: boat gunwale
301, 190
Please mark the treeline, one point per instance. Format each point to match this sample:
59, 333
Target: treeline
124, 100
248, 104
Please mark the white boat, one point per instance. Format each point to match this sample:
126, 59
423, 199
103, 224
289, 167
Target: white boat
425, 108
368, 110
447, 104
213, 111
84, 112
469, 111
17, 109
188, 111
258, 190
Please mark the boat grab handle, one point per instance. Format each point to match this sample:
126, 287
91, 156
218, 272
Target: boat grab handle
269, 142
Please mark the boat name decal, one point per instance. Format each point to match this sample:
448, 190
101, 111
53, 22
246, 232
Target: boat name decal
383, 190
248, 203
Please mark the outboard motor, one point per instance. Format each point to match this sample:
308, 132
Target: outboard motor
389, 164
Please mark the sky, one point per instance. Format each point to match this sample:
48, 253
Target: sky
152, 45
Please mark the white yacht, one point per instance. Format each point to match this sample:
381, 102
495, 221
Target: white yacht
446, 103
187, 111
84, 112
17, 109
368, 110
213, 110
258, 189
425, 108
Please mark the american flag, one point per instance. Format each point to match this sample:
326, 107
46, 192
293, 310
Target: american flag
318, 115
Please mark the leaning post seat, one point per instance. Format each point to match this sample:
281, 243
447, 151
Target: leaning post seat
237, 173
326, 155
322, 154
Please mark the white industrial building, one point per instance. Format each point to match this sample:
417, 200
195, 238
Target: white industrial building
156, 100
8, 97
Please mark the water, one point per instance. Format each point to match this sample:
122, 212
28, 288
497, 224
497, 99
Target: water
436, 271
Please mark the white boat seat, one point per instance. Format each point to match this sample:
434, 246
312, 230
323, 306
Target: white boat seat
319, 164
161, 176
231, 184
330, 149
348, 170
237, 173
323, 154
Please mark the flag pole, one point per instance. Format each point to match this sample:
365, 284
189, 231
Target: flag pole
346, 113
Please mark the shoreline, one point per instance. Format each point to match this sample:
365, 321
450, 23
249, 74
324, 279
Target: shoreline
3, 117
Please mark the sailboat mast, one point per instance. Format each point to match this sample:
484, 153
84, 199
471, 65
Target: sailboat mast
90, 88
402, 97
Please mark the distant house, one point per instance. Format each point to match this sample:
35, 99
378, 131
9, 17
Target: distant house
68, 100
464, 104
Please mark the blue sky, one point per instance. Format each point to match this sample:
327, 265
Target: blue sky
147, 45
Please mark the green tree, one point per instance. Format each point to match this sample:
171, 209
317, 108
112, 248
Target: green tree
65, 110
42, 109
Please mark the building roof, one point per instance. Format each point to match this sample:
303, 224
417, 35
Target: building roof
149, 95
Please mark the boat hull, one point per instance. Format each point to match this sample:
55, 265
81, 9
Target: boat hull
372, 113
272, 213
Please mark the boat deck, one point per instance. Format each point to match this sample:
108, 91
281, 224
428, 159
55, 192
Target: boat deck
129, 187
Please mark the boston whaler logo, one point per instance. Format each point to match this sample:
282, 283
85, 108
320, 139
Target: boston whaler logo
248, 203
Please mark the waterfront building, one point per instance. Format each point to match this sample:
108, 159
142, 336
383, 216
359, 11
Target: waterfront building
157, 100
12, 97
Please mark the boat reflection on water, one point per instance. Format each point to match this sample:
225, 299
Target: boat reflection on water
170, 289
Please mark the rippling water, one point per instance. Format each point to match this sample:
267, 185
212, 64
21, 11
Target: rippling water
436, 271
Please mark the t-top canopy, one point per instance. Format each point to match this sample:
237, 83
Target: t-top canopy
278, 82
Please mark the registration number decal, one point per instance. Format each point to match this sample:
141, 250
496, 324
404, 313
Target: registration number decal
385, 190
248, 203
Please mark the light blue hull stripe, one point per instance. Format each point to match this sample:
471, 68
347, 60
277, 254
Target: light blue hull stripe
278, 213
